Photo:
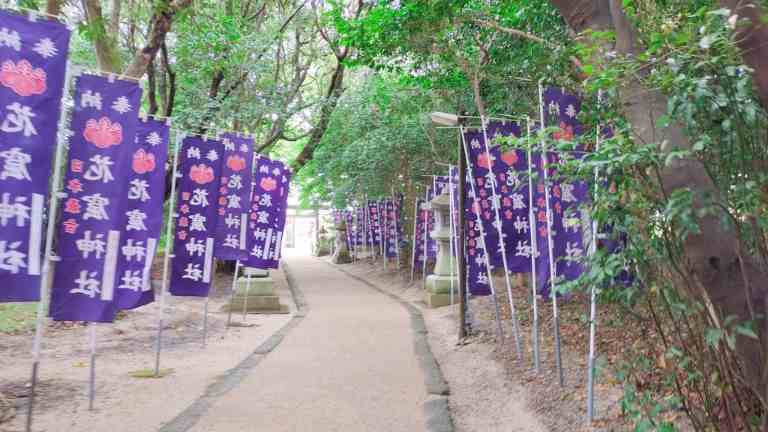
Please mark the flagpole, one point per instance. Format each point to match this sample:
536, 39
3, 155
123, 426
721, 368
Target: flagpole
396, 220
208, 301
426, 242
92, 375
352, 239
167, 253
534, 253
550, 245
476, 205
232, 294
53, 206
451, 228
247, 292
365, 229
382, 234
593, 298
238, 265
495, 203
415, 228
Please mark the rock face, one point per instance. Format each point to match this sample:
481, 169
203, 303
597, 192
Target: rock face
341, 252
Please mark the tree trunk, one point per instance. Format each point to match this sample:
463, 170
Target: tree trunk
160, 25
714, 270
152, 89
53, 7
105, 42
169, 94
752, 38
335, 90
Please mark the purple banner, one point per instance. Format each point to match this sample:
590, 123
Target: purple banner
477, 269
418, 236
565, 197
198, 211
351, 234
94, 212
234, 196
143, 216
359, 214
512, 175
33, 58
505, 173
374, 228
392, 236
268, 213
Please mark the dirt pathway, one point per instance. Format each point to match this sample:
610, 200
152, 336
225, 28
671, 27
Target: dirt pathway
348, 366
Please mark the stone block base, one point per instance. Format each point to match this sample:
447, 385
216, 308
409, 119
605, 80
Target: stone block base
438, 300
442, 284
257, 304
261, 286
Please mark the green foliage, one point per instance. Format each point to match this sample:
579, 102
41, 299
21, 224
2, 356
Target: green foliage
378, 141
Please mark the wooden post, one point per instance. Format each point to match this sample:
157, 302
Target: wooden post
460, 247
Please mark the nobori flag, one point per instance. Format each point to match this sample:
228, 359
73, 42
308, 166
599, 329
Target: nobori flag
268, 213
565, 197
197, 208
33, 59
143, 215
234, 197
93, 212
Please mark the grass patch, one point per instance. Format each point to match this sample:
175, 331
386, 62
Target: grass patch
16, 317
150, 373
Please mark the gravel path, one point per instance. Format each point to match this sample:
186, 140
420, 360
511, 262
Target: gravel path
348, 366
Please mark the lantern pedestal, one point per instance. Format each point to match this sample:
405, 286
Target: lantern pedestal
440, 283
257, 295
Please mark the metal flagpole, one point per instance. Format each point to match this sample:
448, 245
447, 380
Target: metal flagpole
476, 204
232, 294
167, 253
53, 206
348, 235
593, 299
207, 301
247, 291
415, 228
364, 225
92, 376
534, 253
382, 232
426, 243
451, 229
395, 221
550, 245
234, 281
495, 203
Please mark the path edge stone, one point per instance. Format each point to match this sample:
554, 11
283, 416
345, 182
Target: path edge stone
437, 412
229, 380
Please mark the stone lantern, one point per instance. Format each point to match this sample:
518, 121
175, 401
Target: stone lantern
440, 283
341, 254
